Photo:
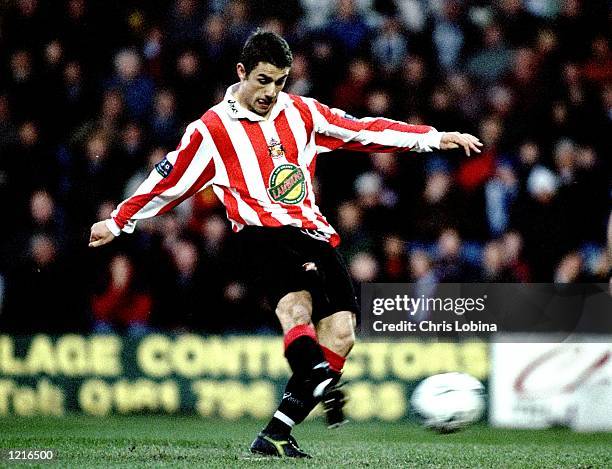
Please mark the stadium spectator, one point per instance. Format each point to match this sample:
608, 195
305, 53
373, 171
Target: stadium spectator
500, 193
394, 260
439, 205
356, 237
46, 217
164, 126
548, 55
348, 28
528, 156
22, 86
450, 265
364, 268
26, 25
519, 24
574, 29
121, 306
239, 22
598, 67
153, 51
448, 35
389, 46
301, 82
109, 119
492, 61
30, 166
350, 94
8, 129
542, 220
512, 243
185, 21
376, 204
79, 27
190, 85
413, 86
423, 274
494, 268
442, 108
216, 47
136, 87
92, 178
130, 149
38, 270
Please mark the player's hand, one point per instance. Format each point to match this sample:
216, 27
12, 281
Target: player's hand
100, 235
468, 142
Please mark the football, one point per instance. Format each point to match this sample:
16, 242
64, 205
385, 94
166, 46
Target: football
448, 402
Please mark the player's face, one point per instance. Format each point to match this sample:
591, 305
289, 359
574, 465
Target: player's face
260, 88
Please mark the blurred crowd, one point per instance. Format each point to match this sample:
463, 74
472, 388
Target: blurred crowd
93, 93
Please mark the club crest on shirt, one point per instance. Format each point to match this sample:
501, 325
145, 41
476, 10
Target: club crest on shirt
287, 184
276, 149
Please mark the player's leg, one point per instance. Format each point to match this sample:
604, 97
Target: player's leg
336, 334
302, 350
297, 256
310, 377
335, 325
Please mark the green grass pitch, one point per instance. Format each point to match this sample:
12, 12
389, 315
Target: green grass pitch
154, 441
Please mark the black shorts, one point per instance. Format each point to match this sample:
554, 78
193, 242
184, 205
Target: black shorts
280, 260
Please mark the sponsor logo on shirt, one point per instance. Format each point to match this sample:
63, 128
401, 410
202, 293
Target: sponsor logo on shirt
287, 184
164, 167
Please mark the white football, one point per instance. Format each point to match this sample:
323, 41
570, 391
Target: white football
448, 401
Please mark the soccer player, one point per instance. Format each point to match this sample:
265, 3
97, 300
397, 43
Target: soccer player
258, 148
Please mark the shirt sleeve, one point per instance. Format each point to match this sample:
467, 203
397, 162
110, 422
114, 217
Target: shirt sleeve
182, 173
335, 130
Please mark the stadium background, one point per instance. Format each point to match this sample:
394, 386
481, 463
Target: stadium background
93, 93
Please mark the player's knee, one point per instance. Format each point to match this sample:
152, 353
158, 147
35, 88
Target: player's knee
294, 309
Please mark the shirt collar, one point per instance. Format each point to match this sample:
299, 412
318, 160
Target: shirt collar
236, 111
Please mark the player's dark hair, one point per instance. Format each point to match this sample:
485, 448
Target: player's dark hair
265, 46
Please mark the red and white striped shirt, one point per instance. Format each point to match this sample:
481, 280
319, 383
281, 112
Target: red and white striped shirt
261, 169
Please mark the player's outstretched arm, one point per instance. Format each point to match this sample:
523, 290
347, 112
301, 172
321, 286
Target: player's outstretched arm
337, 130
468, 142
182, 173
100, 234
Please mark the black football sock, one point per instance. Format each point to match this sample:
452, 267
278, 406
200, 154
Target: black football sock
302, 350
306, 358
295, 406
293, 409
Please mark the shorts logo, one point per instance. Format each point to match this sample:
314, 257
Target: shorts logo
287, 184
164, 167
276, 149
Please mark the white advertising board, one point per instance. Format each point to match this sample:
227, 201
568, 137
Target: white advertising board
538, 385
